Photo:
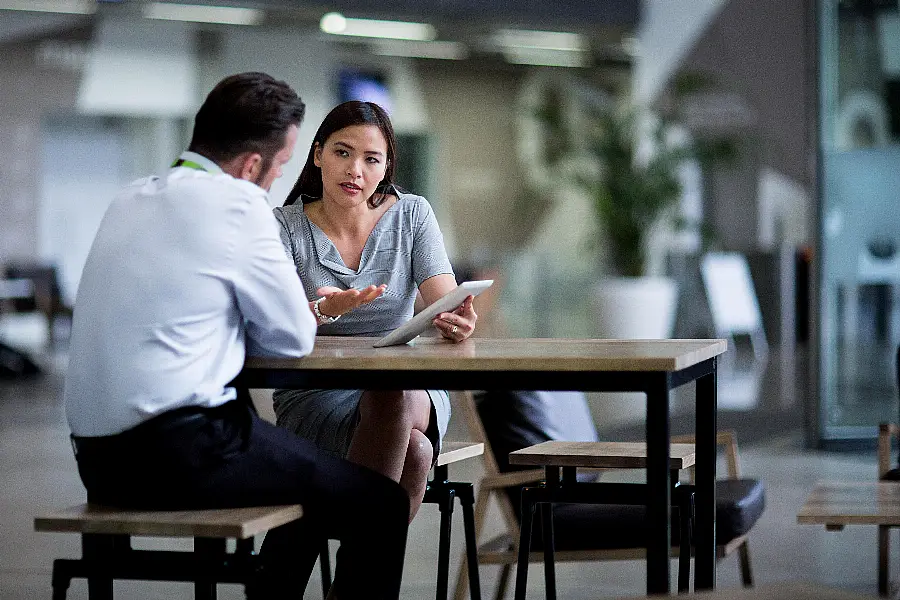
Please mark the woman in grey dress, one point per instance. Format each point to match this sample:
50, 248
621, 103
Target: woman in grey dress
347, 228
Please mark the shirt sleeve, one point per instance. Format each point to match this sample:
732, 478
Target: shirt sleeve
429, 256
269, 293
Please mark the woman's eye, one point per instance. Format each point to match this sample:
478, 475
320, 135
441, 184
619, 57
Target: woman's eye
373, 160
342, 153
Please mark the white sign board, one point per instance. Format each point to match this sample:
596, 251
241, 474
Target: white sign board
729, 289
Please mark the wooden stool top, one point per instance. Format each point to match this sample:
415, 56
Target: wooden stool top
778, 591
835, 504
237, 523
605, 455
452, 452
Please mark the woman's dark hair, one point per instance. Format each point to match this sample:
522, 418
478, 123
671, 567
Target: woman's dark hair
247, 112
309, 184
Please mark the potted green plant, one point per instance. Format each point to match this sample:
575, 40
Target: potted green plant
632, 178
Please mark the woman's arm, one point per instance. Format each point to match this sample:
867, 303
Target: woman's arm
457, 325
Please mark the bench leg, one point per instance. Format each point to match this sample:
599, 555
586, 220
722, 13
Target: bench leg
884, 548
211, 553
60, 580
97, 549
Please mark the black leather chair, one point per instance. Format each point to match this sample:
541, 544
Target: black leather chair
508, 421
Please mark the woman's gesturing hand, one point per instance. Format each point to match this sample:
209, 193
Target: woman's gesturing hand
459, 324
338, 301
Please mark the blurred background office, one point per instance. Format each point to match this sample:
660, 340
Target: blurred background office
497, 105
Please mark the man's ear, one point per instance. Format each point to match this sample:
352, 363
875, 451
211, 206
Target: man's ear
250, 166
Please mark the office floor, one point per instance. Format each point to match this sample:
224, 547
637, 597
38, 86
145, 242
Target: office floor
37, 472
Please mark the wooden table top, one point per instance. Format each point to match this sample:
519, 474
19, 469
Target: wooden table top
852, 503
604, 455
483, 354
778, 591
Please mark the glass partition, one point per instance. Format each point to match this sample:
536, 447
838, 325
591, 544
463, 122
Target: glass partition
860, 216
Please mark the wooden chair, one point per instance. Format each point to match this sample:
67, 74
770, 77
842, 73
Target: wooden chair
503, 549
107, 553
886, 434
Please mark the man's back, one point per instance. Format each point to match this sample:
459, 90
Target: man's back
178, 265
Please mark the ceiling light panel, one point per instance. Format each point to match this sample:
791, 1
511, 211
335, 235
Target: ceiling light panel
196, 13
337, 24
544, 40
71, 7
436, 50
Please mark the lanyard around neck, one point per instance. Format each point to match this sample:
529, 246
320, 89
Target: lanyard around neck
189, 164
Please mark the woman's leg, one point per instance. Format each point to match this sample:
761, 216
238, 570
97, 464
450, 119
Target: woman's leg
390, 439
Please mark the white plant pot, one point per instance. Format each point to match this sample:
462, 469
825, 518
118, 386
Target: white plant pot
637, 308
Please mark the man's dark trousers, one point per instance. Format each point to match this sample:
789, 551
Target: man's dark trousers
225, 457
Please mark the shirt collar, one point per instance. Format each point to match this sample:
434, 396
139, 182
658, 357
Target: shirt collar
207, 164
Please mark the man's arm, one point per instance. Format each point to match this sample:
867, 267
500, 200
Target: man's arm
269, 292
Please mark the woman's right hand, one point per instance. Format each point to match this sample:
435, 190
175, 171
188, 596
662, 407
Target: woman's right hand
338, 301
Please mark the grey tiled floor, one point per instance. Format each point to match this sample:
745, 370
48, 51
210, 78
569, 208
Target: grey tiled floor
37, 472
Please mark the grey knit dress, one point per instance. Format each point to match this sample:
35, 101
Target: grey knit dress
404, 249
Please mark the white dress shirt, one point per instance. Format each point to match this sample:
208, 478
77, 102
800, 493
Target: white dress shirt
182, 269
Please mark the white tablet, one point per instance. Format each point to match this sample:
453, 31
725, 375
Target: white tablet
420, 322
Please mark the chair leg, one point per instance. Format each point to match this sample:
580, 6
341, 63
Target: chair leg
503, 582
461, 582
466, 495
884, 549
446, 507
746, 571
524, 545
325, 568
549, 550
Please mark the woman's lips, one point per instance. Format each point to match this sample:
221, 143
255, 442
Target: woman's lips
350, 187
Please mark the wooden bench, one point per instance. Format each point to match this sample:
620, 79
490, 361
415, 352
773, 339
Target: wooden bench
107, 553
556, 455
838, 504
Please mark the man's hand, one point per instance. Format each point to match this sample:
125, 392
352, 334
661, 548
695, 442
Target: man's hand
338, 301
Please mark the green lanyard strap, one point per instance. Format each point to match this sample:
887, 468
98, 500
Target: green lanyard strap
189, 164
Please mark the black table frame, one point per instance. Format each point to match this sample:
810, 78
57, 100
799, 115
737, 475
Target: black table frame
656, 384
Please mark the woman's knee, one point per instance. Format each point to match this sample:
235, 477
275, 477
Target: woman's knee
420, 453
411, 407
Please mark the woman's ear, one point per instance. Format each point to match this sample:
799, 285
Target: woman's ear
317, 155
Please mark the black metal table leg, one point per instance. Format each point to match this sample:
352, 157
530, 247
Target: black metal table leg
705, 470
685, 521
211, 554
524, 545
659, 540
466, 494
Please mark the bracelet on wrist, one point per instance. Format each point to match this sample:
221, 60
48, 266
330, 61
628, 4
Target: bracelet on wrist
323, 319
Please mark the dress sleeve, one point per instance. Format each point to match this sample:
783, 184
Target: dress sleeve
269, 293
429, 256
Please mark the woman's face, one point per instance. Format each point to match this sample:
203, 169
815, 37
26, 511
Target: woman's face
353, 161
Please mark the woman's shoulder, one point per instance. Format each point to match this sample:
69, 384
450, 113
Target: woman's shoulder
412, 204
